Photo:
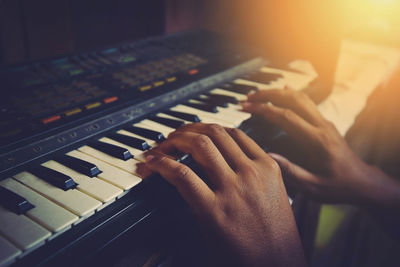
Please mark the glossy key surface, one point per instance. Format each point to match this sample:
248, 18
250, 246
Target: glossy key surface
13, 201
53, 177
167, 122
151, 134
112, 150
183, 115
84, 167
46, 213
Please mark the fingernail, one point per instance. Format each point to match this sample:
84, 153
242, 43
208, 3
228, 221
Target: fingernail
251, 93
149, 158
245, 104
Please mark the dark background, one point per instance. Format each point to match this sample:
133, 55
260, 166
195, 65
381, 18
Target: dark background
34, 30
283, 30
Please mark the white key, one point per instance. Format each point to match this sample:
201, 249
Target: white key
21, 231
8, 252
46, 213
228, 115
223, 113
126, 165
72, 199
155, 126
93, 187
134, 151
205, 117
233, 115
110, 174
238, 111
149, 141
219, 91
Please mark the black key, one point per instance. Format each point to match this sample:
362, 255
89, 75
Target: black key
79, 165
184, 159
226, 98
212, 101
13, 201
263, 77
205, 107
150, 134
130, 141
112, 150
168, 122
238, 88
183, 116
53, 177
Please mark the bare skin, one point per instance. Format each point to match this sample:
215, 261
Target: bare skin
243, 209
330, 172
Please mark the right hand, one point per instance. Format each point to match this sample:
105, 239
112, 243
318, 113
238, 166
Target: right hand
243, 210
330, 172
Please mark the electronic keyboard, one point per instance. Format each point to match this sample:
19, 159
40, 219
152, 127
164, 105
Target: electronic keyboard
74, 130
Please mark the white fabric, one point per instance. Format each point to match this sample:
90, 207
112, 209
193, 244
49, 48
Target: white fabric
361, 68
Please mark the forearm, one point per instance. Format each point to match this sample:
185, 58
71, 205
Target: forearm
384, 203
385, 194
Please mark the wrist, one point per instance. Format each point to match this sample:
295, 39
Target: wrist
384, 191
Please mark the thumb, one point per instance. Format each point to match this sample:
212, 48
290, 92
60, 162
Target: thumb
293, 173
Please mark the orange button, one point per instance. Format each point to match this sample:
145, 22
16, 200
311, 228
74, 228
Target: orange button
193, 71
110, 99
51, 119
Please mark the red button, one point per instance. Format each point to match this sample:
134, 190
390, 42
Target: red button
51, 119
193, 71
110, 99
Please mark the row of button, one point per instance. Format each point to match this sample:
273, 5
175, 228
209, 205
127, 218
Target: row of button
77, 110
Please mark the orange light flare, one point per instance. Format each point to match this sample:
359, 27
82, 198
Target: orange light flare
379, 15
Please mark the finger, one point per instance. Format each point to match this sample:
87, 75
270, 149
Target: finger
204, 152
142, 170
193, 190
293, 173
294, 100
229, 149
248, 146
293, 124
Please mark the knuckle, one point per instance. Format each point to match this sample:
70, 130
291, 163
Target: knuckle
236, 131
324, 136
162, 160
271, 165
182, 172
329, 125
287, 114
202, 141
249, 170
296, 97
215, 129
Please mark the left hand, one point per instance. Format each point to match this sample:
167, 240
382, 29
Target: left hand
329, 170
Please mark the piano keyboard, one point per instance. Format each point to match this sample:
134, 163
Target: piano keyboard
69, 188
86, 171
